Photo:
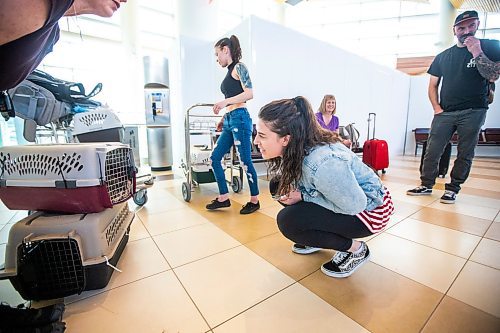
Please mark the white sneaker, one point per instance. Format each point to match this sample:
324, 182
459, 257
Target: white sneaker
304, 249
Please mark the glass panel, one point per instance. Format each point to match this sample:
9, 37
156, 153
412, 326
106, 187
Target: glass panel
89, 26
156, 22
165, 6
378, 46
491, 21
379, 9
412, 8
379, 28
417, 45
416, 25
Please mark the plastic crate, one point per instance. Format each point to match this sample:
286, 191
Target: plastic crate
99, 125
68, 178
52, 256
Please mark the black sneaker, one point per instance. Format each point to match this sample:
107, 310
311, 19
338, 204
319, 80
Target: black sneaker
343, 264
420, 190
28, 317
215, 204
304, 249
249, 208
448, 197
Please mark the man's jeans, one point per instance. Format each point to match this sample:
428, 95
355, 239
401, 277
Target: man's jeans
467, 123
237, 130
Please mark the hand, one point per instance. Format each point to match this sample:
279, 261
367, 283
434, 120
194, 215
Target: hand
438, 109
219, 106
220, 124
473, 46
292, 198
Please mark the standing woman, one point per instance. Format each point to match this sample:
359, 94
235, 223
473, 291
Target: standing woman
330, 196
237, 124
326, 114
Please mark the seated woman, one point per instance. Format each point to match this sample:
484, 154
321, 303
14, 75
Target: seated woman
326, 116
330, 196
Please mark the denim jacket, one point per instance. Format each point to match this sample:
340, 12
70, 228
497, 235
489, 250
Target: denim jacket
337, 179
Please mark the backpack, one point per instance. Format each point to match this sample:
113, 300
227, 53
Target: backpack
45, 99
350, 132
65, 91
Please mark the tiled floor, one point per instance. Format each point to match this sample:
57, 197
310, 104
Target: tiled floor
435, 269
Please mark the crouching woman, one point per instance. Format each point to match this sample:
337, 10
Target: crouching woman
330, 196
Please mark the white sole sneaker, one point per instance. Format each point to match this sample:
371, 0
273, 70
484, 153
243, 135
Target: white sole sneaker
344, 274
304, 250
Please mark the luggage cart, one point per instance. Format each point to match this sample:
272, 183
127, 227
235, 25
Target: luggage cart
204, 173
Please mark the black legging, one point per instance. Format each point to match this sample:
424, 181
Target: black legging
310, 224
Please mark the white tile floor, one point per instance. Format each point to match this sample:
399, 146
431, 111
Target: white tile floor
436, 268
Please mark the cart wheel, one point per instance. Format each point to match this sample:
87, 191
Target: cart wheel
237, 184
383, 171
186, 192
141, 197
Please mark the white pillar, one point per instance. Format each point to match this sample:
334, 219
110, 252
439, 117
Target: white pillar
197, 19
447, 15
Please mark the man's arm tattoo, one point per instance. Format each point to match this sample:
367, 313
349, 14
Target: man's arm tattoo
244, 76
488, 69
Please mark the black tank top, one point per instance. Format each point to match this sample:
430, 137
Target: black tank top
20, 57
231, 87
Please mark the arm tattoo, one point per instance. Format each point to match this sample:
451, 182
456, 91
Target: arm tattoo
242, 71
488, 69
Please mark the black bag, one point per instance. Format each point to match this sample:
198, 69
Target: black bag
444, 161
65, 91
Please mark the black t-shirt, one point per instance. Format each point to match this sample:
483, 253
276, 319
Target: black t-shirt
462, 87
20, 57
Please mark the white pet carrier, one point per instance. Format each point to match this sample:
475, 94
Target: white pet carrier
99, 125
52, 256
201, 166
69, 178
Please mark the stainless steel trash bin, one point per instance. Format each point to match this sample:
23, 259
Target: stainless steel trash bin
160, 156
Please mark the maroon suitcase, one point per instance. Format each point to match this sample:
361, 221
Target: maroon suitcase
375, 152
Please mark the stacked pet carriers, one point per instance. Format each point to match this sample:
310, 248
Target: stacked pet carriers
67, 178
80, 228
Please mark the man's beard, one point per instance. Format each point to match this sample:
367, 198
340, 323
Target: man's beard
464, 37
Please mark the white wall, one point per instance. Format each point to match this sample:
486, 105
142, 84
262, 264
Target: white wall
286, 63
420, 114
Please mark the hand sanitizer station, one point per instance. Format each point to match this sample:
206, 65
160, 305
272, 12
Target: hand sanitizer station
157, 107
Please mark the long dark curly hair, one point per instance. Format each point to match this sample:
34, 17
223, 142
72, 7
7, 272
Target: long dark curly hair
296, 118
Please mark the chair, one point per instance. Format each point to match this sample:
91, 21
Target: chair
421, 135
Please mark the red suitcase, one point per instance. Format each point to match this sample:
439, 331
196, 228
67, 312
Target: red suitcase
375, 152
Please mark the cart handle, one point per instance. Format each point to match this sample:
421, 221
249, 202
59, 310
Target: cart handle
198, 105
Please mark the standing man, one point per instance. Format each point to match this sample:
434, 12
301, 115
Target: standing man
464, 72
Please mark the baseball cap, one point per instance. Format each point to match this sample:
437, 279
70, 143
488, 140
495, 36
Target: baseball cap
468, 15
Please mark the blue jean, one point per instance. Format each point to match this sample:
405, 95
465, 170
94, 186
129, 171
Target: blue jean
467, 123
237, 130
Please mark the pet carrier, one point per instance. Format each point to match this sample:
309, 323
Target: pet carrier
99, 125
102, 125
69, 178
53, 256
201, 170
